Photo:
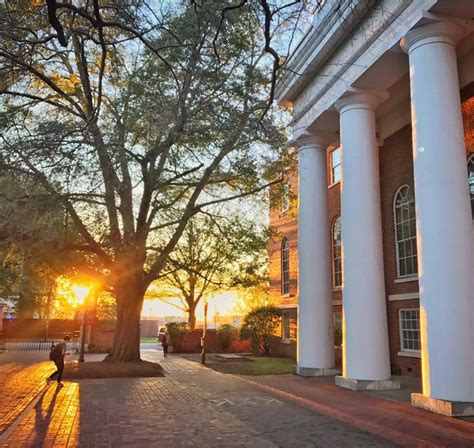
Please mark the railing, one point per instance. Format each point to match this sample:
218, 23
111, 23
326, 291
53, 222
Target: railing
35, 344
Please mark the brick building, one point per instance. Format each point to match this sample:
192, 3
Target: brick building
380, 241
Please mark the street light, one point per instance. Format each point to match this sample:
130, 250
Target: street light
203, 339
81, 293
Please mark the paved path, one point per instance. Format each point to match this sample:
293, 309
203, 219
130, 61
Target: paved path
19, 384
195, 406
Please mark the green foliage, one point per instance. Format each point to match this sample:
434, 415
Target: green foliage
259, 326
226, 334
176, 332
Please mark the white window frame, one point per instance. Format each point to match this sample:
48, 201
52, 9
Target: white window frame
333, 258
405, 277
285, 283
285, 327
470, 160
285, 198
333, 180
401, 330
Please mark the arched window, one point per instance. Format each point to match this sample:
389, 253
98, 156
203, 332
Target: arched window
470, 173
337, 253
285, 267
405, 232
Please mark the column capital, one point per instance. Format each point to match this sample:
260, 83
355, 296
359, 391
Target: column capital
361, 99
437, 32
316, 140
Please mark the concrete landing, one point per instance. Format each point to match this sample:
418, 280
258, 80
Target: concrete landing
443, 407
354, 384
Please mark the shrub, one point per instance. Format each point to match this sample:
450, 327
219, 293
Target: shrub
226, 334
259, 326
176, 332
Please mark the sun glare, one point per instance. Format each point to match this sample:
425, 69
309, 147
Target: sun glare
74, 293
81, 293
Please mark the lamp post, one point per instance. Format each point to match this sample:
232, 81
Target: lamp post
203, 339
82, 294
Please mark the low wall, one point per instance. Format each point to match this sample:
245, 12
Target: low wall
191, 342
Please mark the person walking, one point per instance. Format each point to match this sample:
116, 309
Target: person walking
165, 342
57, 355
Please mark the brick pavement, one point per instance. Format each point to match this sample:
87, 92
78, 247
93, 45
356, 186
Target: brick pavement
19, 384
196, 406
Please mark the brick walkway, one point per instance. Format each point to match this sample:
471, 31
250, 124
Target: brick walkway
19, 384
196, 406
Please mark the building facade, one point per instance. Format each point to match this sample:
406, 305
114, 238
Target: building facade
378, 240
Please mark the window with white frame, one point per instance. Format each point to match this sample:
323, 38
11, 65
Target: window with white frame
285, 198
285, 326
470, 173
285, 267
336, 166
405, 232
337, 253
410, 330
338, 320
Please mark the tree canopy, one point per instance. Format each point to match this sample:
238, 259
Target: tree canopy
134, 119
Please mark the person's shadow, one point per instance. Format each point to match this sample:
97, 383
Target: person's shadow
43, 416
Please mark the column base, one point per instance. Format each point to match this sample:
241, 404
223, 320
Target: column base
309, 372
443, 407
353, 384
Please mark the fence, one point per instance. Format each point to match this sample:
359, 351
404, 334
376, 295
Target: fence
35, 344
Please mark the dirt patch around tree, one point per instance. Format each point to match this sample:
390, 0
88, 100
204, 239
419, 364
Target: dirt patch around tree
101, 369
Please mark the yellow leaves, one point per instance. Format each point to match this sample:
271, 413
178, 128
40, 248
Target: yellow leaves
68, 84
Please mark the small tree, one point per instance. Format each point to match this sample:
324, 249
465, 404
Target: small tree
259, 326
214, 253
176, 332
226, 335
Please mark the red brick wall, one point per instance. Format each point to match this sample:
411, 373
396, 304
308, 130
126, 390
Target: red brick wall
400, 364
286, 226
396, 169
191, 342
467, 98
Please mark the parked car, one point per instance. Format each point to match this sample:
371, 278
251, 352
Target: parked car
161, 332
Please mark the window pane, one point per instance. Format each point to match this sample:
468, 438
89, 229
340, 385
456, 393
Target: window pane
399, 232
413, 228
402, 267
401, 250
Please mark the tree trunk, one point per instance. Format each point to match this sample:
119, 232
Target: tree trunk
192, 316
126, 345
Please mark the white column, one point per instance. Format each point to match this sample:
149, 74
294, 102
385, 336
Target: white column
445, 251
366, 361
315, 353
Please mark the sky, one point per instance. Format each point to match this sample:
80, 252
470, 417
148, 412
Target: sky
223, 304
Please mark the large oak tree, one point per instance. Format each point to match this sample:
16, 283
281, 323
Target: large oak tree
134, 119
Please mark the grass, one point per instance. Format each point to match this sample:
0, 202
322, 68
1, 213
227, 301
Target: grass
101, 369
256, 365
147, 340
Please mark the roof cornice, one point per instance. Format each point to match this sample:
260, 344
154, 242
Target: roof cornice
330, 26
